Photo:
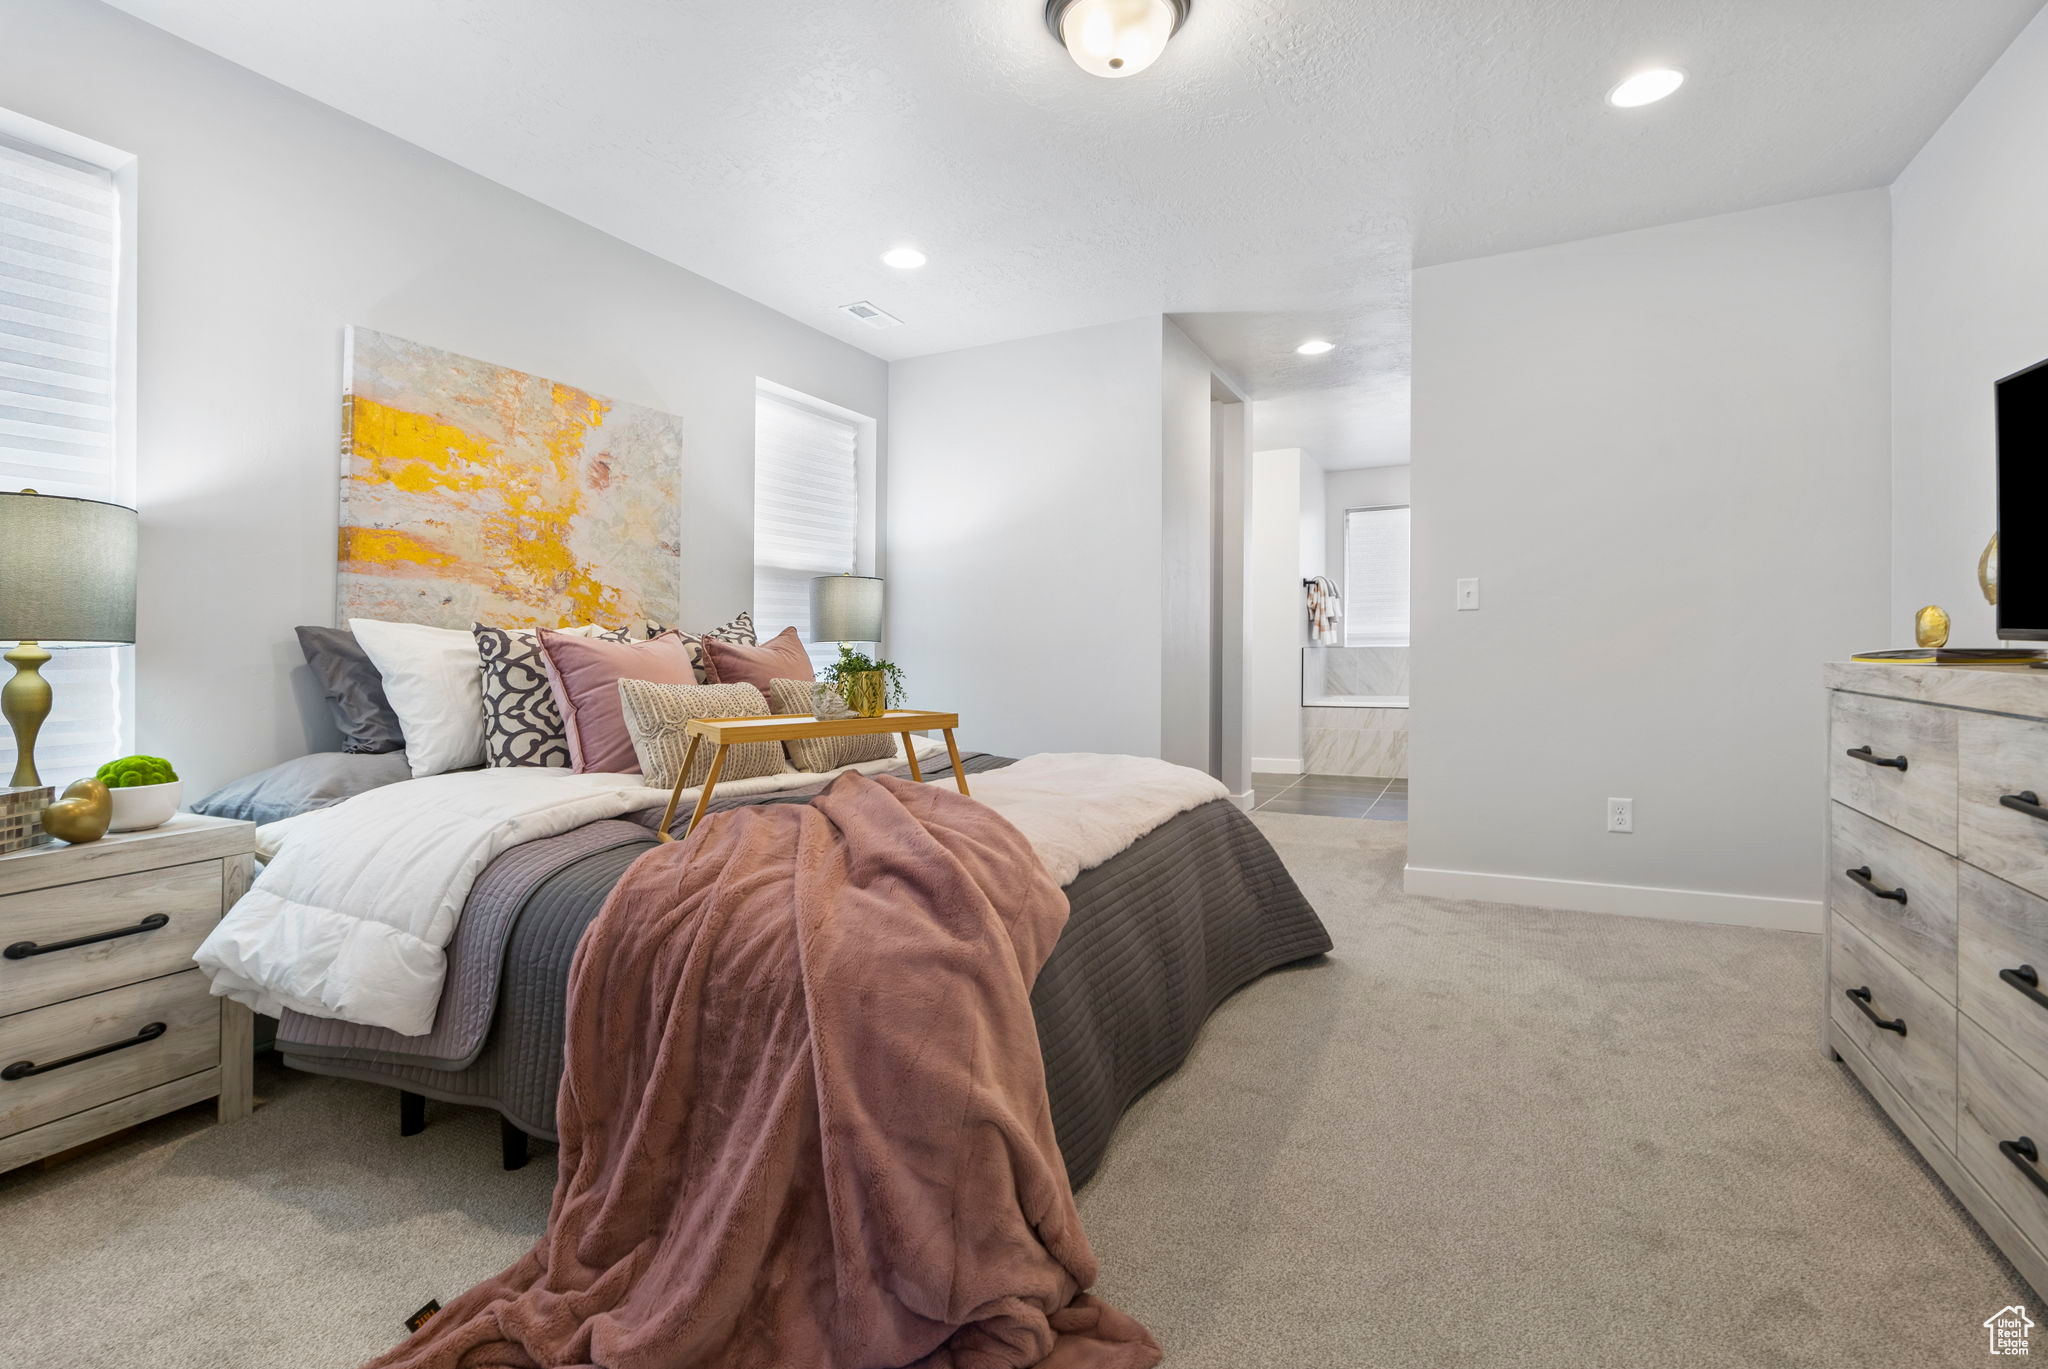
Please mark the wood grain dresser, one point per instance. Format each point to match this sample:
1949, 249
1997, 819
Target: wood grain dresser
104, 1019
1937, 927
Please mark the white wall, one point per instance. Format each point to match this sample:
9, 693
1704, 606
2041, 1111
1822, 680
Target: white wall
1025, 538
1280, 482
268, 223
1969, 305
1188, 552
1665, 455
1374, 487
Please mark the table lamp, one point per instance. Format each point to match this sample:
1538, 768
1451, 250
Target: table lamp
846, 608
67, 578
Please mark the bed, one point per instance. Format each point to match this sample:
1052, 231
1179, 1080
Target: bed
1158, 936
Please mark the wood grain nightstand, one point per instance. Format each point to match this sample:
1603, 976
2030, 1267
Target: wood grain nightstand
104, 1019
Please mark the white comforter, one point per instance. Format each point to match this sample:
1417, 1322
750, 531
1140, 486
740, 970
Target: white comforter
352, 916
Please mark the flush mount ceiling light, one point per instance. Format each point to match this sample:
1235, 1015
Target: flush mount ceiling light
1115, 37
1316, 348
903, 258
1645, 88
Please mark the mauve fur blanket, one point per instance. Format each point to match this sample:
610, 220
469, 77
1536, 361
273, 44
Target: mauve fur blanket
803, 1113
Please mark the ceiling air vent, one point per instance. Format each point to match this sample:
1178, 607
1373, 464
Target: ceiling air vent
870, 315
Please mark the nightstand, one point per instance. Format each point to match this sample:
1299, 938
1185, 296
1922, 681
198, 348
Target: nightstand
104, 1019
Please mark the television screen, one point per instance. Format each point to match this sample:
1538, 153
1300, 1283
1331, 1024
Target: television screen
2023, 505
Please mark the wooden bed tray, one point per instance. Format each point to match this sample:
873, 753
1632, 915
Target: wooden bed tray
728, 732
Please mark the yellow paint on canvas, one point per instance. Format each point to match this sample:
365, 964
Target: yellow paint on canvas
528, 525
473, 489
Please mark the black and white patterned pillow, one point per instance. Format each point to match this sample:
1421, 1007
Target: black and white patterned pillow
739, 631
522, 724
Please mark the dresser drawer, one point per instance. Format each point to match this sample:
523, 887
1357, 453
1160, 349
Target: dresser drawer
1920, 1061
187, 899
2000, 759
2002, 931
189, 1041
2003, 1099
1899, 892
1903, 771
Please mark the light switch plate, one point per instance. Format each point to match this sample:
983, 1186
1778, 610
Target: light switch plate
1468, 595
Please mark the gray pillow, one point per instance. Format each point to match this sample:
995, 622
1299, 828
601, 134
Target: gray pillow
317, 781
354, 690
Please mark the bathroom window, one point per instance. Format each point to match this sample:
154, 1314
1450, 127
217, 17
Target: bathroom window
1376, 577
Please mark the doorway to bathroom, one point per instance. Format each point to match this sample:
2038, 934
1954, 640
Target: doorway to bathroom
1330, 676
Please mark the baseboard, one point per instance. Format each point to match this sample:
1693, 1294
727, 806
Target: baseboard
1272, 765
1629, 900
1243, 800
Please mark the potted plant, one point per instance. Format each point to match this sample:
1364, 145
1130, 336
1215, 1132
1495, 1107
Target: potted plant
144, 789
869, 687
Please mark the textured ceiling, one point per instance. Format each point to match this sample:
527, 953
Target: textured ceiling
1272, 178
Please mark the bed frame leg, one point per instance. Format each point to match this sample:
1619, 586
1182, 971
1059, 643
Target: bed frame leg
511, 1144
412, 1113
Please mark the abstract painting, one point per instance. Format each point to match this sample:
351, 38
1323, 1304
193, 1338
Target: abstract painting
475, 493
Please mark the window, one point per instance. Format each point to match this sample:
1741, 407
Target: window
1376, 577
807, 507
60, 259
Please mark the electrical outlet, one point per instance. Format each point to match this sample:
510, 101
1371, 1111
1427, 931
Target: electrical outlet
1621, 815
1468, 595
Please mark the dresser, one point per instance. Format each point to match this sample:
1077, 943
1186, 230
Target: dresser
104, 1019
1937, 925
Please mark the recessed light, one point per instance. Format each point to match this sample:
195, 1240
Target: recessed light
1645, 88
1316, 348
903, 258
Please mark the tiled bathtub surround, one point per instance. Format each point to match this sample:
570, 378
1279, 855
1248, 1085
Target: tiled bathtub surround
1379, 672
1354, 741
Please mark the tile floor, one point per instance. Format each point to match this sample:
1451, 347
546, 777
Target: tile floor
1332, 796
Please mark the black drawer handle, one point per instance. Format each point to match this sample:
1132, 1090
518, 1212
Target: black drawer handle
2026, 1155
22, 950
1861, 874
2028, 981
24, 1069
1864, 754
2026, 801
1861, 998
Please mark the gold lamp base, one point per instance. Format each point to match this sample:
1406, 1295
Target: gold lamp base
25, 701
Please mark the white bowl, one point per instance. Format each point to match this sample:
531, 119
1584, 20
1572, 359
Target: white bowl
140, 807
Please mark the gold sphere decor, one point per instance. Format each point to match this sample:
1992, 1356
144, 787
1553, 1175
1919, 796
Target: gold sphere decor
82, 814
1987, 571
1930, 626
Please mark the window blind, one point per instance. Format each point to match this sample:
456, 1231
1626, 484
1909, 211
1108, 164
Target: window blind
1376, 577
806, 512
60, 251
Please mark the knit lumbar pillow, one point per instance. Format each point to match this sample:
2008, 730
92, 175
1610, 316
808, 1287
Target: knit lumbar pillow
825, 753
656, 714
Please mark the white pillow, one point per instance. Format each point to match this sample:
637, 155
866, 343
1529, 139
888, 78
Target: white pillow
434, 680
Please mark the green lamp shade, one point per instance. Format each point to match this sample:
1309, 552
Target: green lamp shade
67, 571
846, 608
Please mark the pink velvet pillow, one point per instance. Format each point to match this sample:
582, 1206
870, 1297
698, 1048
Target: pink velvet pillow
781, 657
586, 685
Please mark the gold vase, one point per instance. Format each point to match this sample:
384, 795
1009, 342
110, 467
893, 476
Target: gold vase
866, 692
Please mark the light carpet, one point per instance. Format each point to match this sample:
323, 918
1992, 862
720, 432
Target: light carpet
1473, 1135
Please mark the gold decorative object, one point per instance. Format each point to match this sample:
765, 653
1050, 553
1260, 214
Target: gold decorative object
82, 814
1930, 626
1987, 571
25, 703
866, 692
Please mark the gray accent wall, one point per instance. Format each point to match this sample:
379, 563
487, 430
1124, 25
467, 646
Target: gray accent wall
268, 222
